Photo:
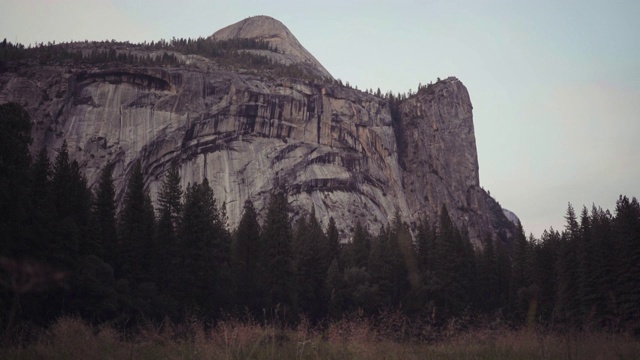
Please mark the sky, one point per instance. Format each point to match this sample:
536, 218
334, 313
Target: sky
555, 85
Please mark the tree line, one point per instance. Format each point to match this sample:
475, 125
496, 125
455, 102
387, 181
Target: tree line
230, 54
178, 258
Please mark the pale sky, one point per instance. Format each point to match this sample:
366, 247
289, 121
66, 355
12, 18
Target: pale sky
555, 85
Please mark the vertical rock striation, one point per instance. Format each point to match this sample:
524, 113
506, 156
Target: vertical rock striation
440, 160
328, 146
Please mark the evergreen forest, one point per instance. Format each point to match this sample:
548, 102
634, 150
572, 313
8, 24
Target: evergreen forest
66, 250
240, 55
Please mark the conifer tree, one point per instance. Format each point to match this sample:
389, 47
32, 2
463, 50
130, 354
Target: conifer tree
279, 263
390, 262
72, 237
488, 279
334, 292
332, 240
453, 267
72, 206
15, 137
425, 246
545, 269
504, 275
626, 227
93, 289
136, 231
605, 262
169, 212
104, 210
424, 252
360, 246
312, 252
520, 296
149, 216
409, 275
170, 201
248, 262
300, 231
41, 219
567, 306
204, 255
380, 265
585, 256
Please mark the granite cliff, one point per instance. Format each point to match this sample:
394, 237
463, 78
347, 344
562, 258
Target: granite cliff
349, 154
289, 51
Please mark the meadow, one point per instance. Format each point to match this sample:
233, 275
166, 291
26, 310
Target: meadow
73, 338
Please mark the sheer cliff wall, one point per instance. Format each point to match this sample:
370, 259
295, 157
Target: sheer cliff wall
327, 146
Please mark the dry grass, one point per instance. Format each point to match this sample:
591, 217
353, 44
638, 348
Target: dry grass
71, 338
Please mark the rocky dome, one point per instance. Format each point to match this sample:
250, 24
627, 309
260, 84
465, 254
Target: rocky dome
268, 29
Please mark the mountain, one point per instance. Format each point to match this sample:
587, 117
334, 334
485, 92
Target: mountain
265, 28
252, 118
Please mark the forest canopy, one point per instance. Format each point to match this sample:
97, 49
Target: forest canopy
66, 250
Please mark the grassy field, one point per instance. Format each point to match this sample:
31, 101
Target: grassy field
71, 338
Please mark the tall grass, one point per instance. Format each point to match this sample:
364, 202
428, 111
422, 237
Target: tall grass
72, 338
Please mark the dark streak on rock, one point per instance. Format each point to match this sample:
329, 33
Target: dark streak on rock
145, 81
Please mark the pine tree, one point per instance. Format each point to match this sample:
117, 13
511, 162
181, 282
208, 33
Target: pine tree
149, 217
504, 275
380, 266
312, 251
520, 295
204, 255
359, 248
585, 256
409, 274
390, 263
453, 267
425, 241
222, 256
15, 137
72, 235
544, 272
136, 231
104, 210
279, 266
332, 240
425, 256
41, 219
488, 280
300, 231
169, 199
169, 212
626, 227
605, 262
248, 262
72, 207
567, 306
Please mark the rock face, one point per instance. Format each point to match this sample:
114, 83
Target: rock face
439, 158
327, 146
511, 216
268, 29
